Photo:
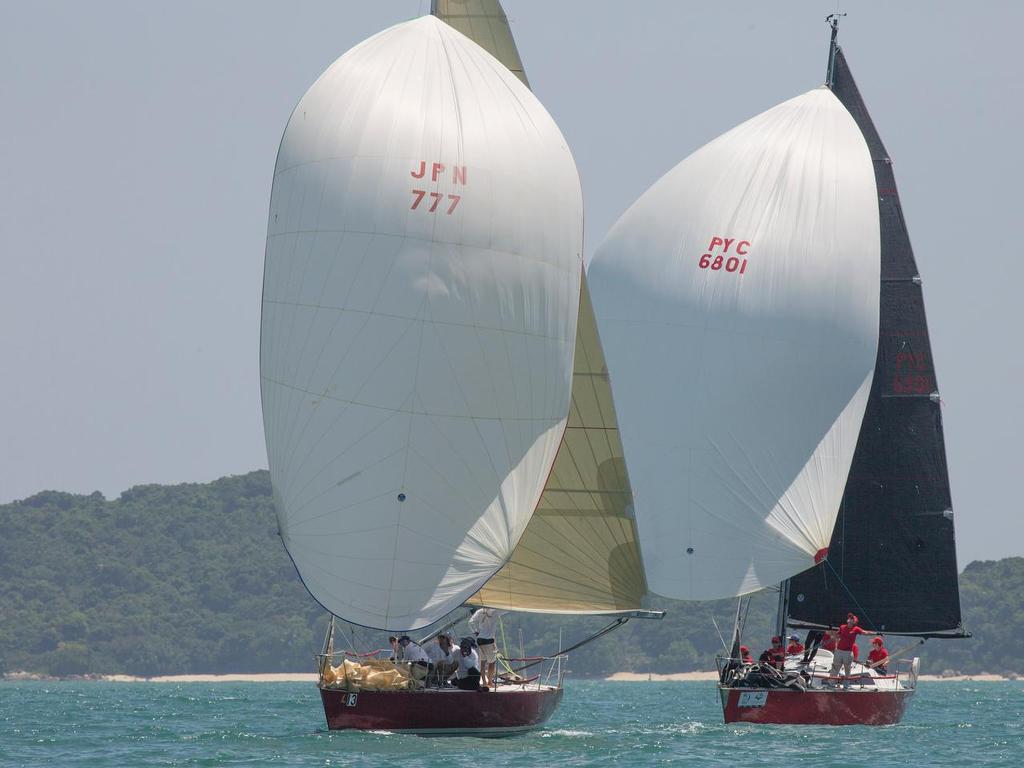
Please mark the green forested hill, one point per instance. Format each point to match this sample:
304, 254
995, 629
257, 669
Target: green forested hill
193, 578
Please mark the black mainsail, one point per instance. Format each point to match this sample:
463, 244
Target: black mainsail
892, 558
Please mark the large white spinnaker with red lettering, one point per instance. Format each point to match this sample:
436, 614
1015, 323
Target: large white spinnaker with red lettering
421, 294
738, 304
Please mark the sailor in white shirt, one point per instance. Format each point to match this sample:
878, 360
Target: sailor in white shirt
468, 671
483, 622
419, 662
411, 651
439, 653
435, 652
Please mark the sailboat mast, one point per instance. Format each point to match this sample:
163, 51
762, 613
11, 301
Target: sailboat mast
830, 71
780, 622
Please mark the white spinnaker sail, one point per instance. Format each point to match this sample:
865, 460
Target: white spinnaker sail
738, 304
421, 292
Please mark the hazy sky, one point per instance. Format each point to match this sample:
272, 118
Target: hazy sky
138, 145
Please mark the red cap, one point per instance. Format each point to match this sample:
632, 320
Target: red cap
776, 640
877, 641
744, 649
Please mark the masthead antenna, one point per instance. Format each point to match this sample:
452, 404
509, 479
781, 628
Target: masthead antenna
830, 73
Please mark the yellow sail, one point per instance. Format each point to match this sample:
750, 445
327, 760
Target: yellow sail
483, 22
579, 553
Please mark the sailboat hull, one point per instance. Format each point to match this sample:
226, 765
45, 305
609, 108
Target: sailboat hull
442, 712
814, 707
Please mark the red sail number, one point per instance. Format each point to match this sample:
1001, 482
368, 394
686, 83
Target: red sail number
437, 170
723, 260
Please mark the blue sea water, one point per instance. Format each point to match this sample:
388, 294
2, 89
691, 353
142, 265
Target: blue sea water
599, 724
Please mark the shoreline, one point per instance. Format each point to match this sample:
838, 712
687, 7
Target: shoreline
680, 677
311, 677
242, 677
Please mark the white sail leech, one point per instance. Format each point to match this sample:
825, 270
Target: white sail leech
750, 271
421, 294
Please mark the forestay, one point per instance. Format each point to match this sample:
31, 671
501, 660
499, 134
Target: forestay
737, 300
421, 293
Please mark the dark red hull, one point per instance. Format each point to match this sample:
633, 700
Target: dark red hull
441, 712
814, 707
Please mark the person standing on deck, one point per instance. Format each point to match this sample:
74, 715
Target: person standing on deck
842, 656
482, 623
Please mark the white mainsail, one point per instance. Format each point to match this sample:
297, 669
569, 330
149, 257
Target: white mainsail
738, 304
421, 292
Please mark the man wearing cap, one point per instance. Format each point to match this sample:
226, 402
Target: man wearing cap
468, 670
879, 657
795, 646
842, 656
745, 656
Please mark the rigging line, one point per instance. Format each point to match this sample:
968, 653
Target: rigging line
600, 633
719, 631
853, 597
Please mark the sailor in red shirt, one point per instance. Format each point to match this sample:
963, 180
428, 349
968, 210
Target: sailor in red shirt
745, 656
879, 657
842, 656
795, 646
776, 655
828, 642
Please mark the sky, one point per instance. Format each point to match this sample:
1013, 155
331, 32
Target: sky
137, 147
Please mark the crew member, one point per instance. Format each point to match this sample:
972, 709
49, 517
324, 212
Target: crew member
795, 646
776, 655
879, 657
811, 644
482, 623
419, 662
468, 670
439, 653
828, 642
745, 656
842, 656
